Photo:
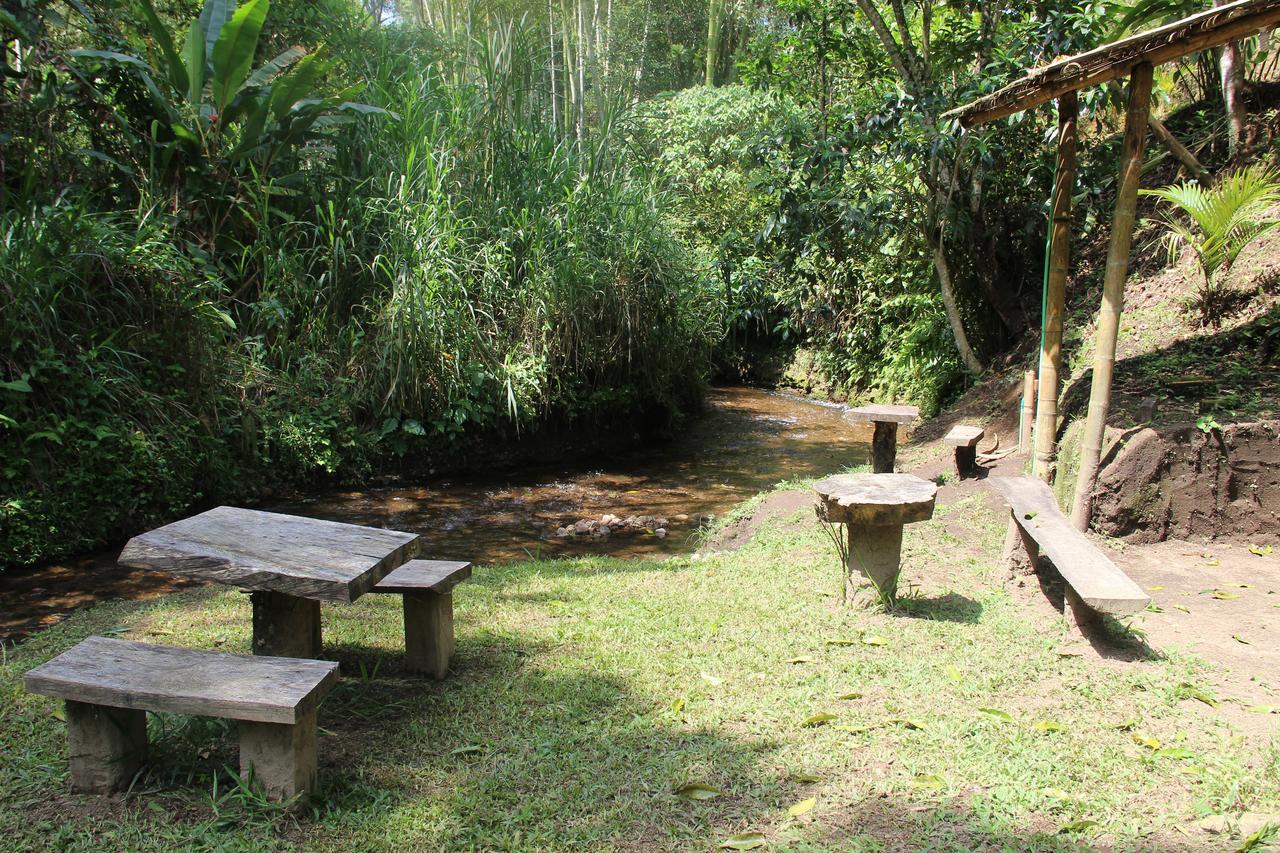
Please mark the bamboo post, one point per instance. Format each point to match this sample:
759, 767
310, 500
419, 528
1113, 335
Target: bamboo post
1117, 271
1028, 413
1055, 295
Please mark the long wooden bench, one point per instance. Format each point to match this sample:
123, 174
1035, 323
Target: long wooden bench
964, 438
427, 589
1094, 584
109, 685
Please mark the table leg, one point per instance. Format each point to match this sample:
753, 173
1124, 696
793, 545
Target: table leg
884, 447
285, 626
875, 551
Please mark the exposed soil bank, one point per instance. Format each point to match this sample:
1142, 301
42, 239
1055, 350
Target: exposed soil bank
1186, 483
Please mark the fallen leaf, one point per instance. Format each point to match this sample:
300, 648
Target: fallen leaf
1263, 709
1260, 551
1240, 639
817, 720
1155, 608
799, 660
1055, 793
954, 673
1126, 726
711, 679
1002, 716
1182, 607
678, 705
1243, 585
743, 841
698, 791
908, 723
853, 730
1077, 826
1213, 561
873, 640
1148, 742
1048, 726
803, 807
928, 780
835, 641
848, 697
805, 778
1173, 752
469, 749
1155, 588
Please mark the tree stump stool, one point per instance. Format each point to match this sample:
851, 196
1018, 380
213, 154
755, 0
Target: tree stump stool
884, 440
874, 508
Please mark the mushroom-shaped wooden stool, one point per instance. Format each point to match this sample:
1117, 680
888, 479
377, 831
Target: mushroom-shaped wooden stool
874, 508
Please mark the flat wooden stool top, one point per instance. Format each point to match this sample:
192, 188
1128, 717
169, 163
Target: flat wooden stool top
877, 499
963, 435
880, 413
303, 557
148, 677
417, 575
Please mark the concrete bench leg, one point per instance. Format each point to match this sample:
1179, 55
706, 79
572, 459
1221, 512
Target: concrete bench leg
1081, 619
282, 757
107, 746
966, 461
884, 447
428, 632
876, 552
285, 626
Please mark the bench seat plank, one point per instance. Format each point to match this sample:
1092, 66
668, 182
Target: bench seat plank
417, 575
1098, 582
143, 676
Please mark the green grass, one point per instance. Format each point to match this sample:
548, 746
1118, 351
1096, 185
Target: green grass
587, 691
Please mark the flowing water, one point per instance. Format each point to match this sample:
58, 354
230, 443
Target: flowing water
746, 441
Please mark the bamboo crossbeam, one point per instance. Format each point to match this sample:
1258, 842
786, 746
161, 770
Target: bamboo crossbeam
1202, 31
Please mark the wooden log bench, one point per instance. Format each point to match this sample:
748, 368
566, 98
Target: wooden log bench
109, 685
427, 589
1093, 584
964, 438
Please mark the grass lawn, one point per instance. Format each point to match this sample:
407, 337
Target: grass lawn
587, 692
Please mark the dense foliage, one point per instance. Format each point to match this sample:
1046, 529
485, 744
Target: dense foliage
277, 274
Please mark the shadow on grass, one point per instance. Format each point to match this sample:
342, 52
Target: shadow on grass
951, 607
1110, 638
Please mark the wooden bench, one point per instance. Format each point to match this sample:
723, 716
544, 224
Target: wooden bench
1094, 584
109, 685
964, 438
427, 589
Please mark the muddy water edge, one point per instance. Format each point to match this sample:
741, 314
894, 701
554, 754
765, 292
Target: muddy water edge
649, 501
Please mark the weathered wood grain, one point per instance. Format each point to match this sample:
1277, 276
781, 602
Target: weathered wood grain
305, 557
963, 435
420, 575
1097, 581
143, 676
878, 412
876, 499
1202, 31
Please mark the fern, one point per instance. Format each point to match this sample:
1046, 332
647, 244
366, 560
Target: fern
1223, 220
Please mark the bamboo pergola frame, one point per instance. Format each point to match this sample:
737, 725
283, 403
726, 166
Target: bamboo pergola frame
1135, 57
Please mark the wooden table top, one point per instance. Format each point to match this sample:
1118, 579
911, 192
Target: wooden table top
881, 413
876, 499
306, 557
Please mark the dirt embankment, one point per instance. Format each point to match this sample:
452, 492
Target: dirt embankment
1191, 483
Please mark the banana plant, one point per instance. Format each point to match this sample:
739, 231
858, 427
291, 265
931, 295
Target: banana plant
213, 112
1224, 220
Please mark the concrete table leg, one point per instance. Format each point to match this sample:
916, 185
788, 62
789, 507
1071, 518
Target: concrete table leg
875, 551
884, 447
966, 461
107, 746
282, 757
428, 632
285, 626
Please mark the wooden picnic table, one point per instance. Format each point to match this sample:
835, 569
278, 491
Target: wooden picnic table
288, 563
884, 439
874, 508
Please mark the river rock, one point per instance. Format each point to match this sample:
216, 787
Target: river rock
661, 533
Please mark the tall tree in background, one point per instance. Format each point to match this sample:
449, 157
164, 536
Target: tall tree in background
715, 8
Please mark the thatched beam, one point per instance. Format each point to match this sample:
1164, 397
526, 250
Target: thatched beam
1208, 29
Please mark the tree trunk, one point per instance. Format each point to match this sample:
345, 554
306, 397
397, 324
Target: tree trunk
1117, 271
713, 39
1231, 70
943, 267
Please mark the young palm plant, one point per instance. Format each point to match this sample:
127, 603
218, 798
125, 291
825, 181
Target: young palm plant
1224, 219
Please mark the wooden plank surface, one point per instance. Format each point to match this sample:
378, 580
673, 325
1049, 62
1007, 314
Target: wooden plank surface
1098, 581
877, 499
963, 435
1202, 31
885, 413
417, 575
306, 557
144, 676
